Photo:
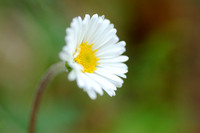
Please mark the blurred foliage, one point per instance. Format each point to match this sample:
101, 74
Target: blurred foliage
160, 95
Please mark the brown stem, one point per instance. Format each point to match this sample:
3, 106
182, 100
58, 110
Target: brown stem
55, 69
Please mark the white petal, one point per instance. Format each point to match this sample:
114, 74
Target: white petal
108, 75
80, 81
64, 56
110, 51
114, 70
92, 94
92, 28
121, 58
122, 75
72, 75
95, 85
115, 80
91, 24
106, 85
108, 38
88, 87
117, 84
80, 30
98, 29
86, 19
103, 33
118, 65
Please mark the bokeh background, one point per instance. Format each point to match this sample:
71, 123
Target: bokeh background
160, 95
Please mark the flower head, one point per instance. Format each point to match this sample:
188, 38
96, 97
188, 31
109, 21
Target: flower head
93, 53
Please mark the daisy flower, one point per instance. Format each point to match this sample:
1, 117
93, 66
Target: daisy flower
93, 55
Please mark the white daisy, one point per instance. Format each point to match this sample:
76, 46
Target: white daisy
93, 54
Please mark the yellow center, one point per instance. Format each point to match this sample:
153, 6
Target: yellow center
87, 58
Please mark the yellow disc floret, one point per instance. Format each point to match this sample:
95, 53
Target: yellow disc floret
87, 58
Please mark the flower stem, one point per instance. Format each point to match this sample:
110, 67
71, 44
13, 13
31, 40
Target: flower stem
53, 70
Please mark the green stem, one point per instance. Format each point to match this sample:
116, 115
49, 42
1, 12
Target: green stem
52, 72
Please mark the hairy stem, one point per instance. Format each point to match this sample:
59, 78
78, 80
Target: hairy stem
53, 70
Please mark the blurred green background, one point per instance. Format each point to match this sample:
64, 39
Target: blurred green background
160, 95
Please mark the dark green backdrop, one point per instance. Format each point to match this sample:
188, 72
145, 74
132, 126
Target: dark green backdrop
160, 95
